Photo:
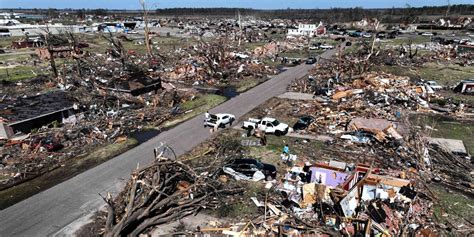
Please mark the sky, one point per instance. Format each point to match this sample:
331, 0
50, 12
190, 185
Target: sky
256, 4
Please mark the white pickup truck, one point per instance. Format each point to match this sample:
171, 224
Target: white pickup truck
269, 125
326, 46
221, 120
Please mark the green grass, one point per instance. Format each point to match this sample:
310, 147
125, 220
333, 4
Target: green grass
324, 41
415, 40
18, 73
133, 46
295, 54
198, 106
457, 97
271, 152
16, 58
203, 100
253, 45
446, 74
246, 84
165, 44
7, 42
172, 43
443, 74
454, 204
448, 128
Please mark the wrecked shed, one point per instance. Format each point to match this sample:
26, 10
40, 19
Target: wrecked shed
135, 86
26, 113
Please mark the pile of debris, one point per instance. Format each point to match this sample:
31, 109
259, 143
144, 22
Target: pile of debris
351, 198
168, 190
217, 62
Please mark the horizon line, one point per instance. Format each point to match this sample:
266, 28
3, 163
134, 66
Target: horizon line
258, 9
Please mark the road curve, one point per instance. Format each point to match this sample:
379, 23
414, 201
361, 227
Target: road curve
53, 210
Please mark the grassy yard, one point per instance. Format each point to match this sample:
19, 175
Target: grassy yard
448, 128
419, 39
302, 53
446, 75
325, 41
7, 42
452, 208
246, 84
18, 73
305, 150
16, 58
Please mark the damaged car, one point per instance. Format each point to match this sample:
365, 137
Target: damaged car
250, 169
303, 122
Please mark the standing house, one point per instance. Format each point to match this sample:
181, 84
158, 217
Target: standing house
303, 30
308, 30
320, 30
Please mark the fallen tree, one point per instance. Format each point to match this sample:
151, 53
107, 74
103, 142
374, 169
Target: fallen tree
164, 191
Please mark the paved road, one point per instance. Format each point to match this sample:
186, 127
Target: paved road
55, 210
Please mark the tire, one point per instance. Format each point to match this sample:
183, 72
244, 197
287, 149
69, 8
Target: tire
278, 133
269, 178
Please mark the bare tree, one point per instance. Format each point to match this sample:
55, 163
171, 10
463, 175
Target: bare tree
117, 49
48, 41
410, 53
75, 51
147, 30
213, 55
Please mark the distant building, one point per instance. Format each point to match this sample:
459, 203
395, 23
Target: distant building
320, 29
58, 52
303, 30
28, 43
458, 22
35, 30
308, 30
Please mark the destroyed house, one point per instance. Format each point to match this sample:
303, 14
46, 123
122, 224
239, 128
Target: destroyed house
365, 186
25, 113
327, 175
28, 43
135, 86
61, 52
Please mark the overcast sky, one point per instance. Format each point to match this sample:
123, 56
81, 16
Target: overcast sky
257, 4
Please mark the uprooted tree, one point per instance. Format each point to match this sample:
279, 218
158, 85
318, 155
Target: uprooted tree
164, 191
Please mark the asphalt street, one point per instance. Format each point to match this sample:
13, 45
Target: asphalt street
55, 210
